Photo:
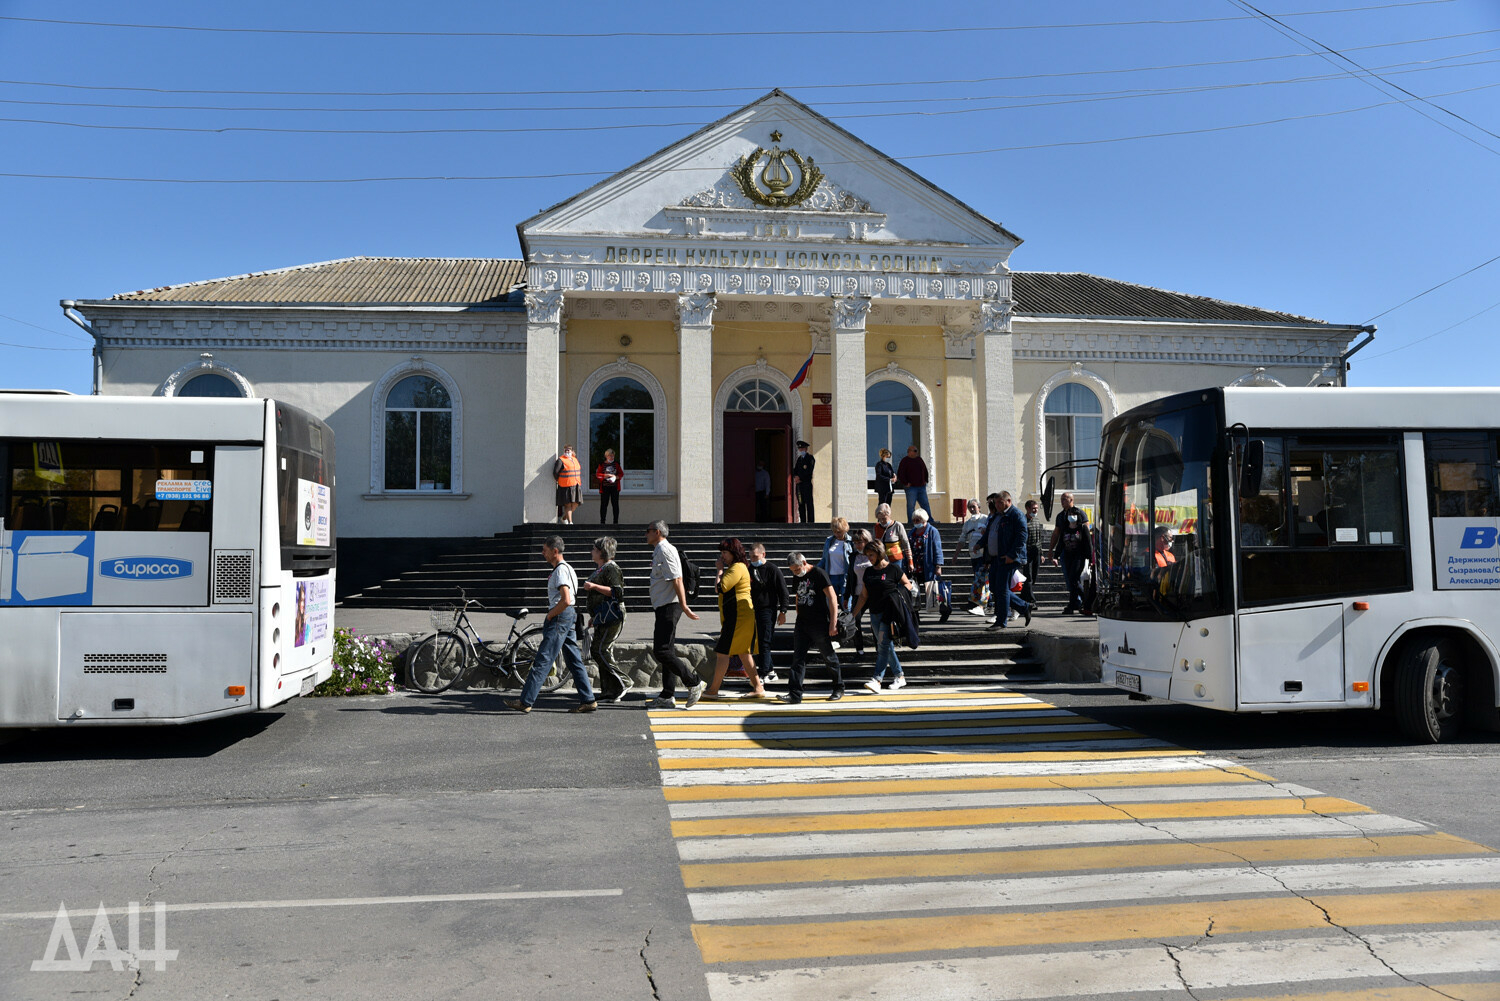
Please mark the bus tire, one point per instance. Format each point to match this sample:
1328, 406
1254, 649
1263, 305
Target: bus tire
437, 662
1430, 691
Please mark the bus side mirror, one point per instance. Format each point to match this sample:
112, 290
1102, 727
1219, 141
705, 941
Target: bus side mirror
1252, 466
1047, 489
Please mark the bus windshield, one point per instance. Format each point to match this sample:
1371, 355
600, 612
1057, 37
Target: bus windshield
1157, 558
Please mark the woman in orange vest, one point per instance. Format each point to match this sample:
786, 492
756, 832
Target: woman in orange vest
569, 476
1162, 547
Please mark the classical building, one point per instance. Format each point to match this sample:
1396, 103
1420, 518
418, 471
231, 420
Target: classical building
666, 312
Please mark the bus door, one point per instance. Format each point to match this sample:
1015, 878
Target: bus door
1326, 528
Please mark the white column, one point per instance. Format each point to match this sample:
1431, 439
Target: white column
543, 322
1001, 468
696, 474
850, 481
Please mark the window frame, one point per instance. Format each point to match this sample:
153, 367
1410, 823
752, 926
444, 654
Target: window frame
919, 426
380, 393
619, 413
660, 444
417, 440
1292, 568
1067, 477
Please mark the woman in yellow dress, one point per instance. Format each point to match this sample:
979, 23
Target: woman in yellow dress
737, 615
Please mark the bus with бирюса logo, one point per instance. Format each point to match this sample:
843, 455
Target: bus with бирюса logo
1265, 549
162, 560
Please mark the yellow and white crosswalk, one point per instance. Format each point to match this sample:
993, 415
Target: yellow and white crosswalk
966, 845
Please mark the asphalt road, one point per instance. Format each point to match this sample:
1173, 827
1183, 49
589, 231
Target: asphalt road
418, 847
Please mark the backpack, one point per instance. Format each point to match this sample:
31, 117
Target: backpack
690, 575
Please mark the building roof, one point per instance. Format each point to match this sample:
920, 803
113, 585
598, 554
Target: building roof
1054, 293
471, 281
476, 281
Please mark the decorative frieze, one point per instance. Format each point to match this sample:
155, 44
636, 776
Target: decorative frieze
350, 332
1175, 347
883, 276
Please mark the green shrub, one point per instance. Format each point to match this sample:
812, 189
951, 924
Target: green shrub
362, 665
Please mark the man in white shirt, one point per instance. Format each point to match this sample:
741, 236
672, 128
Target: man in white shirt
559, 635
669, 603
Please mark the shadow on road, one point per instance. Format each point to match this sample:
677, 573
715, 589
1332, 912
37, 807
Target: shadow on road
135, 743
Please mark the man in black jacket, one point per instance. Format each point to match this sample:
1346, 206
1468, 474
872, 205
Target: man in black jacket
802, 472
769, 596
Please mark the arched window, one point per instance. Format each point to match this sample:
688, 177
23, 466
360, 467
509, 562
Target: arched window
622, 416
892, 420
1074, 423
418, 435
207, 377
757, 396
210, 384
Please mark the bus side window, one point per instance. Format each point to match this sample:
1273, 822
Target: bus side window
1309, 498
1460, 474
1263, 515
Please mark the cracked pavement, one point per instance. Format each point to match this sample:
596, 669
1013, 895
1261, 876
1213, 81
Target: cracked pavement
322, 805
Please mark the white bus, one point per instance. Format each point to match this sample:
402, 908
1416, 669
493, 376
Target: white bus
1266, 550
161, 560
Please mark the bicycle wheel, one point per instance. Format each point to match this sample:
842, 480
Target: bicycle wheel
523, 652
438, 661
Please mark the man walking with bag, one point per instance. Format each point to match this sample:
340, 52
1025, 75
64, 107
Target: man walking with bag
1070, 536
669, 603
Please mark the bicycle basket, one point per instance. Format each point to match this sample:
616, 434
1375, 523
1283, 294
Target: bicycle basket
444, 617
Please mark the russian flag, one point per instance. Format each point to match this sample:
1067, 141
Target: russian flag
801, 375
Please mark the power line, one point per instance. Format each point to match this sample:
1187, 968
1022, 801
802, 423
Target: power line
38, 326
745, 89
36, 347
1434, 288
1064, 97
1435, 333
627, 126
812, 32
1367, 75
669, 170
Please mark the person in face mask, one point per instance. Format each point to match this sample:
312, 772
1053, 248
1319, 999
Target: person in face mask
769, 596
802, 472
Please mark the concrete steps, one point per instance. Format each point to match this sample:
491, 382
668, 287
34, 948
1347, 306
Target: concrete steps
508, 572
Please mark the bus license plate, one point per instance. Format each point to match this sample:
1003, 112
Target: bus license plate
307, 685
1130, 681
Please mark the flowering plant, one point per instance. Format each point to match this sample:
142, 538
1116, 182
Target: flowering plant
362, 665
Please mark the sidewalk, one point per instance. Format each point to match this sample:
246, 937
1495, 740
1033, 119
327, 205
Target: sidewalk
1067, 644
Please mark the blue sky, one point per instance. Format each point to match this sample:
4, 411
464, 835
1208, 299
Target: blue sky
1326, 211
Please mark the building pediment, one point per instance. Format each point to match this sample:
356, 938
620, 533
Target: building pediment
772, 187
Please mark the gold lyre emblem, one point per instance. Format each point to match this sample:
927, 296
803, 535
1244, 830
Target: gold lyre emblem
777, 166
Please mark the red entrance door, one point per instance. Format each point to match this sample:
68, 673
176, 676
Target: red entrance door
749, 437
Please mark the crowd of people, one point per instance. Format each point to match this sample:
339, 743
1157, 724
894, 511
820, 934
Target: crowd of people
885, 570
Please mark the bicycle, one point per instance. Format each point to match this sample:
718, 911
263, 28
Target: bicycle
439, 661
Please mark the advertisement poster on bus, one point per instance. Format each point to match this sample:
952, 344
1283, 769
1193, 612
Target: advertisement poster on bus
103, 569
313, 610
314, 514
1465, 553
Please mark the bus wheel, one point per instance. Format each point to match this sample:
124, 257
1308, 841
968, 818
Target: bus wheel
1430, 692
